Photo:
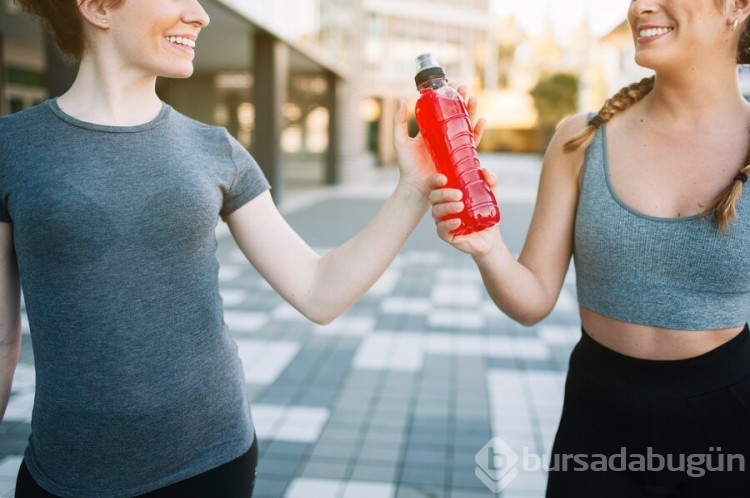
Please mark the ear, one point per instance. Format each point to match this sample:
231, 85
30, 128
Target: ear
95, 12
738, 9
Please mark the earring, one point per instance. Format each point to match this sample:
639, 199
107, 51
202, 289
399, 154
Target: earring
734, 24
104, 21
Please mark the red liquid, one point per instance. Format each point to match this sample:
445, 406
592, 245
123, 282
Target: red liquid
446, 128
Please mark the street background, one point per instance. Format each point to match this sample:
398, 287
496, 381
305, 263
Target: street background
396, 397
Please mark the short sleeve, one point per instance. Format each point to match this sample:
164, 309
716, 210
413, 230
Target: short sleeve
248, 183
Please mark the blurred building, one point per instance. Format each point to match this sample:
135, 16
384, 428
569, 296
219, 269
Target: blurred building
395, 32
611, 66
310, 86
274, 73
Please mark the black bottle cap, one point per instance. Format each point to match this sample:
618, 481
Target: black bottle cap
427, 69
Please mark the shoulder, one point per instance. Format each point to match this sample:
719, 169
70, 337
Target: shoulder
23, 131
198, 134
557, 157
193, 126
570, 127
27, 117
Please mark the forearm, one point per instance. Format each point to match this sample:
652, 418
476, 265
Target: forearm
346, 273
516, 290
9, 352
10, 314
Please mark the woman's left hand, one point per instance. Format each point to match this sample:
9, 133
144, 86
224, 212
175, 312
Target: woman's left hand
413, 158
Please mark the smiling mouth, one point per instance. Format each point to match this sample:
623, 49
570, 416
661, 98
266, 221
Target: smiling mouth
651, 32
179, 40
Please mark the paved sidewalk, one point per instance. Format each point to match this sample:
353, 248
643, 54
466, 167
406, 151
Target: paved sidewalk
401, 395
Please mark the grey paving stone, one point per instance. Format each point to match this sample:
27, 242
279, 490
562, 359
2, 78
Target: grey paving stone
284, 448
406, 490
279, 466
325, 469
423, 476
270, 486
377, 473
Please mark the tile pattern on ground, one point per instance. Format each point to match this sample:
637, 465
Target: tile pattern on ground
396, 397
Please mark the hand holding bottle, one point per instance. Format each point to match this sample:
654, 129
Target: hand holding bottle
446, 204
412, 153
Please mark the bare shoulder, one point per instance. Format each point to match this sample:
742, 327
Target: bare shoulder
570, 126
556, 157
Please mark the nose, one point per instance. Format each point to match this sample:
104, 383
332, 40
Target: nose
640, 7
196, 14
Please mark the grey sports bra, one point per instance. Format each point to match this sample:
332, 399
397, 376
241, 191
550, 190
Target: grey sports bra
678, 273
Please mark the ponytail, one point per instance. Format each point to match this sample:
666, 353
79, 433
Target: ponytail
724, 206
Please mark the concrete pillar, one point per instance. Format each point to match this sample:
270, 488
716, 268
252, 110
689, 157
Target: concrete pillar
333, 153
271, 73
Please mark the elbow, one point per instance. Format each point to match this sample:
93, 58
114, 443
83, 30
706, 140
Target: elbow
322, 310
319, 315
320, 318
528, 316
531, 319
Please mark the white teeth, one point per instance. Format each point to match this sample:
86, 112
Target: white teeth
181, 41
646, 33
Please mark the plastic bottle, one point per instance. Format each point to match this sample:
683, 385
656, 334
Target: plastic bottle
444, 123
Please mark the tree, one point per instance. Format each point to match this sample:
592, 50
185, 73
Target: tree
555, 97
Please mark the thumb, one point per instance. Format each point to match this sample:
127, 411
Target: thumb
400, 122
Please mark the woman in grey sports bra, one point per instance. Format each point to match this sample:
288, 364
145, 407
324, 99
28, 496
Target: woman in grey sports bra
648, 196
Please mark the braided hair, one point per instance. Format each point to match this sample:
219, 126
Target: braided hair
724, 206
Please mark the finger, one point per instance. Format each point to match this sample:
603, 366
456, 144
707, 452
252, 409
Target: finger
437, 181
441, 211
479, 130
489, 177
444, 228
471, 106
443, 195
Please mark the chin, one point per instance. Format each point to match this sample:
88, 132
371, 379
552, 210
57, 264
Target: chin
179, 73
646, 62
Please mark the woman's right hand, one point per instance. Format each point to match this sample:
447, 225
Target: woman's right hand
447, 201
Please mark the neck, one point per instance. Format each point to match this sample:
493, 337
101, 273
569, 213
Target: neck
102, 94
698, 97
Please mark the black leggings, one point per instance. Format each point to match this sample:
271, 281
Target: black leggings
634, 428
235, 479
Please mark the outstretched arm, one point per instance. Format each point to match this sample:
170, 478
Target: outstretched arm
525, 289
10, 314
323, 287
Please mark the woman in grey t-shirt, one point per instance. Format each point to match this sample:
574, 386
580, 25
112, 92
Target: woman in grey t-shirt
109, 200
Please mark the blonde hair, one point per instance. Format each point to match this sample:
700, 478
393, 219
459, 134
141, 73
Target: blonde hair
723, 207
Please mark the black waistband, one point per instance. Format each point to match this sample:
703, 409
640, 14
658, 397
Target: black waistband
717, 369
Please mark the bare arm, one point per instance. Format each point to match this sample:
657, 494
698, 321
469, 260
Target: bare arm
526, 289
323, 287
10, 314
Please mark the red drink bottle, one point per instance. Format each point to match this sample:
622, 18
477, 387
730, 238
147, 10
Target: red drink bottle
446, 128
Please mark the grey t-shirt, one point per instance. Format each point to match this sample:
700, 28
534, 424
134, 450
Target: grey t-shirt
138, 381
